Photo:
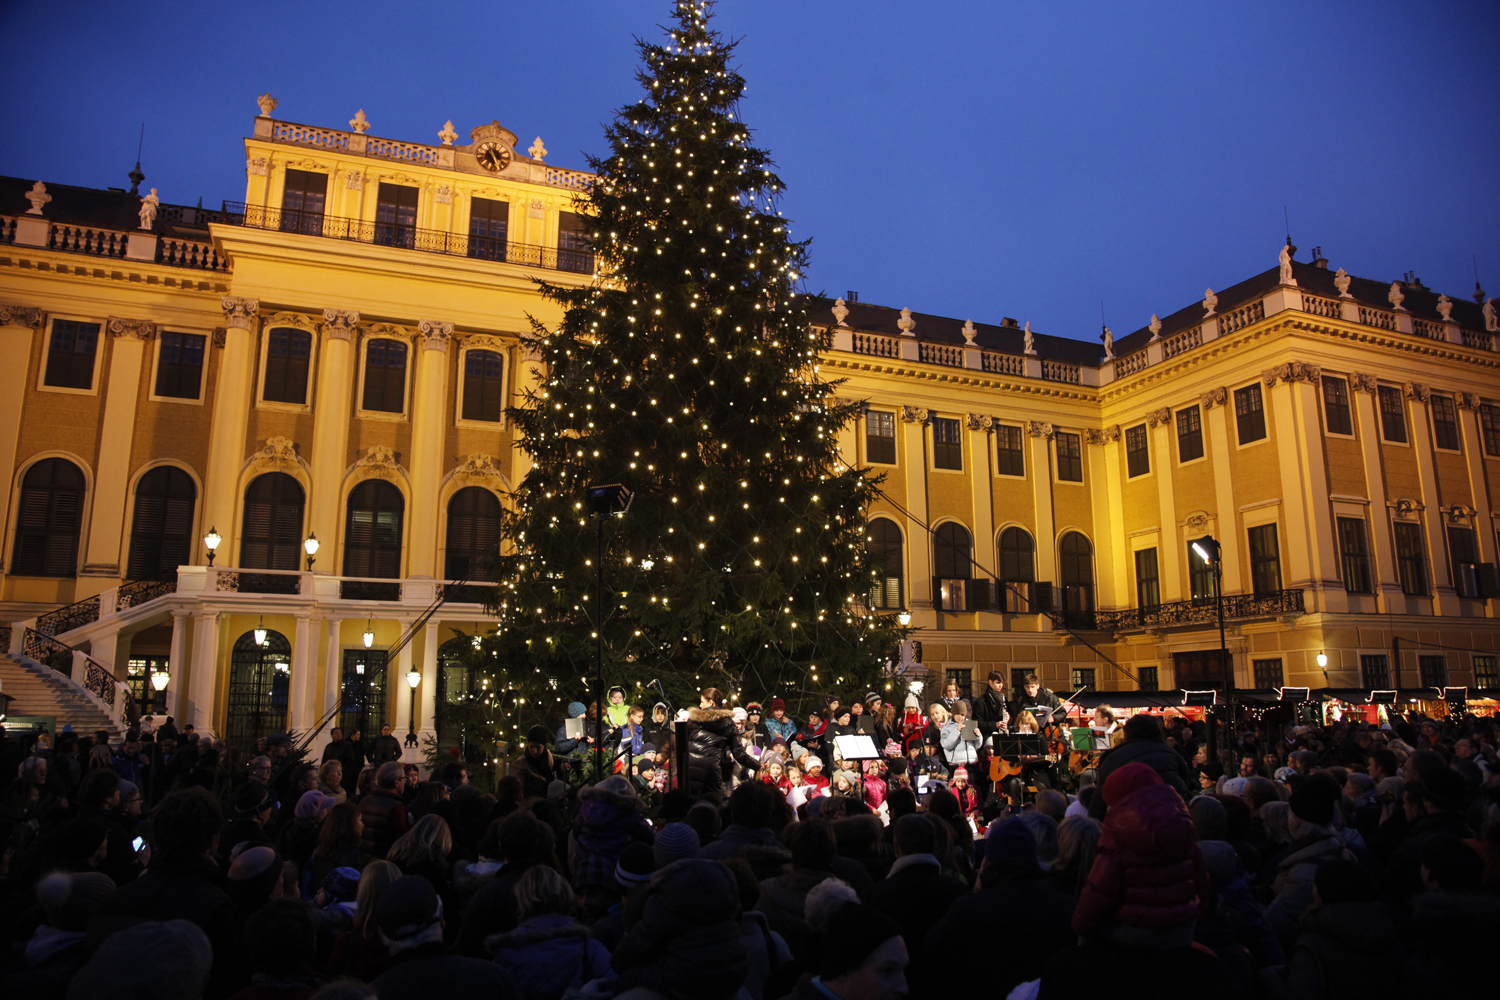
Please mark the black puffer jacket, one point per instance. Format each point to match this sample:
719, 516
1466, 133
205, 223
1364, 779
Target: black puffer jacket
713, 748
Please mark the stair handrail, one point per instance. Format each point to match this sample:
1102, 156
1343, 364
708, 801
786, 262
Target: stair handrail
98, 680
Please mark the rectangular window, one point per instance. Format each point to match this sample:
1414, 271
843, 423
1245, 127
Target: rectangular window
1392, 415
1149, 678
1267, 674
1189, 434
1010, 459
1018, 679
1147, 579
1354, 548
385, 376
880, 437
1486, 672
963, 678
1489, 426
179, 365
484, 385
489, 221
1463, 556
1137, 454
1411, 559
573, 251
396, 215
1375, 672
1069, 458
1200, 576
1336, 405
70, 355
947, 444
1249, 414
1082, 677
1265, 560
1434, 671
288, 355
1444, 423
302, 200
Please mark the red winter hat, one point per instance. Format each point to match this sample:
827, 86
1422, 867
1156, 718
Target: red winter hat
778, 703
1128, 779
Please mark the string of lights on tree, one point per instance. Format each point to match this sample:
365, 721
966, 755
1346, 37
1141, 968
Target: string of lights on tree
687, 371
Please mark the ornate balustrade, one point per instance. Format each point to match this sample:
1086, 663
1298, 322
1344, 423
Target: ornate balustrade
1203, 611
1060, 371
1004, 364
880, 347
1184, 341
941, 354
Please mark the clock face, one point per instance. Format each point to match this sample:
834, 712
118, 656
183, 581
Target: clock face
492, 156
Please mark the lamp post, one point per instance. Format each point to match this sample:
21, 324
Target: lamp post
413, 678
211, 542
1208, 549
160, 679
904, 617
612, 500
311, 548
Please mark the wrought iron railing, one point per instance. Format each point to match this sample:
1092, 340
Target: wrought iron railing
245, 582
1201, 611
408, 237
47, 651
140, 591
69, 617
468, 593
5, 634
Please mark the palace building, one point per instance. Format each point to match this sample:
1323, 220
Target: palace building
252, 449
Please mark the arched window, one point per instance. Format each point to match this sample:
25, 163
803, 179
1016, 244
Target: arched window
272, 535
50, 516
951, 548
473, 533
484, 385
883, 543
258, 676
1017, 569
161, 530
1077, 573
372, 532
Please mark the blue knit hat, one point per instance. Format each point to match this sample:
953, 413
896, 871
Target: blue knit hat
576, 708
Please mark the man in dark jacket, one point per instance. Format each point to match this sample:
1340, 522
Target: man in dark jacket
383, 812
410, 918
993, 940
1443, 799
916, 894
1034, 696
183, 882
1146, 744
254, 805
384, 748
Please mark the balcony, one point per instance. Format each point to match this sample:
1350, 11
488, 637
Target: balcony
408, 237
1202, 611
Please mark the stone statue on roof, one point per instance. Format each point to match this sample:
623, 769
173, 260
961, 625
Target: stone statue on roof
149, 205
1030, 347
1155, 327
969, 332
906, 323
1286, 266
1445, 308
1341, 281
1397, 296
840, 311
38, 197
1210, 302
1109, 344
1490, 323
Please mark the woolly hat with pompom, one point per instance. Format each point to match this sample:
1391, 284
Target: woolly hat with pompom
70, 900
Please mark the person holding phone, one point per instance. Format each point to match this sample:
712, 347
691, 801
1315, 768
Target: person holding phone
960, 736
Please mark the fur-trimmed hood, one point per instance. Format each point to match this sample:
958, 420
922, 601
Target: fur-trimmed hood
710, 714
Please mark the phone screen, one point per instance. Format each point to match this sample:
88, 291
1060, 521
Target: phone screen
137, 843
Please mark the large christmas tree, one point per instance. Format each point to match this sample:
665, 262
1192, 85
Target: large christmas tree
688, 373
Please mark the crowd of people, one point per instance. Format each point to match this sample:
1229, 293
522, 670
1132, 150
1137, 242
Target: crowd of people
734, 852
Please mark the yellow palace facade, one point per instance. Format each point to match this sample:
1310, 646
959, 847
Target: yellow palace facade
314, 380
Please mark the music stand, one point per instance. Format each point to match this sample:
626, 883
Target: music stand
857, 746
1019, 745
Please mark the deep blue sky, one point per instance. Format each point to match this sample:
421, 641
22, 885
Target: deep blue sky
974, 159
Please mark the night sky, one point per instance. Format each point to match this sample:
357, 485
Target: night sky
976, 160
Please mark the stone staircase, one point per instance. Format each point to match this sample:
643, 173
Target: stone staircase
43, 691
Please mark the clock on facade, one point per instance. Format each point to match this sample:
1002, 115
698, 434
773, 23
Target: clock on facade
492, 156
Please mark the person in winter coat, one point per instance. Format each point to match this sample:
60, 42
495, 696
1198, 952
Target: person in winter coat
382, 812
688, 943
783, 898
992, 940
1315, 842
916, 893
536, 768
59, 947
778, 724
959, 751
713, 747
1348, 948
1148, 873
549, 952
1144, 743
609, 818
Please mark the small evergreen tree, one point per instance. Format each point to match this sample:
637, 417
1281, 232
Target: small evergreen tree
687, 372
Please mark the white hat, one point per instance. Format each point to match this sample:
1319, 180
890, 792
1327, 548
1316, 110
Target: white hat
740, 715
